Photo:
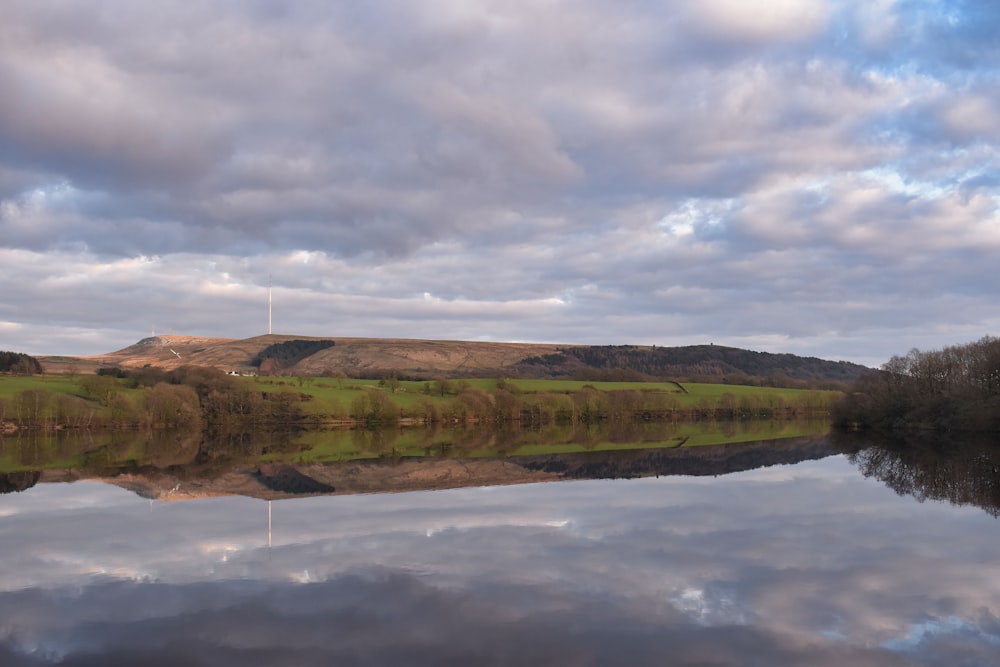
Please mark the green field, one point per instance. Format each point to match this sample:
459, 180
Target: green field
56, 384
409, 394
689, 394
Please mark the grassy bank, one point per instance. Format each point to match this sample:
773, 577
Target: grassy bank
162, 400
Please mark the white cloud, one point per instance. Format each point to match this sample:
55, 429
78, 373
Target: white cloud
973, 117
763, 22
878, 23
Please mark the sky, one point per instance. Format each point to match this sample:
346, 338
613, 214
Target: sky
816, 177
805, 564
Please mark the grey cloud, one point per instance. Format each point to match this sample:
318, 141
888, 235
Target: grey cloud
473, 125
413, 146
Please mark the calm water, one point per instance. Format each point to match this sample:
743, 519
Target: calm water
808, 563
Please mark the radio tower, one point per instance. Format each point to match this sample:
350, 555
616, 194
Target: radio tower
269, 304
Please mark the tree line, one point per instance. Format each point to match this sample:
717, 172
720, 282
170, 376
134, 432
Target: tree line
195, 397
188, 398
19, 363
694, 363
956, 388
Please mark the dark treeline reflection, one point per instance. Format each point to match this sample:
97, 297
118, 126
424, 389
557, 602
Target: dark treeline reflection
962, 470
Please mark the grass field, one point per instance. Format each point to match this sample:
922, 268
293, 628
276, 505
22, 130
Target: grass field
56, 384
409, 394
690, 395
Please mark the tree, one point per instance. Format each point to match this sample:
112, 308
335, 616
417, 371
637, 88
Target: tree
373, 407
474, 403
101, 388
442, 386
124, 411
172, 406
955, 388
507, 406
32, 406
19, 364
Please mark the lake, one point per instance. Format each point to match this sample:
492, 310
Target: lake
799, 551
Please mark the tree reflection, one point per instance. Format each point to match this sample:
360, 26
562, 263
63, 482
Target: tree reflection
963, 472
18, 481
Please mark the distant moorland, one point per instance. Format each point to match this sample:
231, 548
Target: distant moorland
427, 359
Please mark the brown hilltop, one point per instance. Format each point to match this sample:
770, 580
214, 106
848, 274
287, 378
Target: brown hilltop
414, 358
419, 356
404, 356
165, 351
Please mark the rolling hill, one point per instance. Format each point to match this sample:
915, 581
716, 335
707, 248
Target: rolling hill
376, 357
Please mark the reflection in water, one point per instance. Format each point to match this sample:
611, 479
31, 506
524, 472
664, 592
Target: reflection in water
18, 481
346, 462
805, 563
83, 449
962, 470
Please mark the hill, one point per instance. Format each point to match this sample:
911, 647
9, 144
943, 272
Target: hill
699, 361
379, 357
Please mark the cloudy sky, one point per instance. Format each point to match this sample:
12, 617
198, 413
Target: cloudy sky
808, 176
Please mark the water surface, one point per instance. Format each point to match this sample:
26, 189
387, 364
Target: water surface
807, 563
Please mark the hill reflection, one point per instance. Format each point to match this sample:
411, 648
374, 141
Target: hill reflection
276, 465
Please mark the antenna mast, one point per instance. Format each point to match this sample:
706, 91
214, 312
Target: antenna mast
269, 304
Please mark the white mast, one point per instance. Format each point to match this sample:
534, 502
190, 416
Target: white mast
269, 304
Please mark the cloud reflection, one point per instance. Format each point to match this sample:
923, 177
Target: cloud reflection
806, 564
389, 618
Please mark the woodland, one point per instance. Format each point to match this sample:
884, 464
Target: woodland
956, 388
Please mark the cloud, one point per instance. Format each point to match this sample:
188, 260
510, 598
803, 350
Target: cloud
598, 160
778, 21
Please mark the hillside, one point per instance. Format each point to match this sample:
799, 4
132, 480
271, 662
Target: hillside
349, 355
373, 357
702, 361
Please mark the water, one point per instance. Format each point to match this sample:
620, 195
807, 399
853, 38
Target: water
805, 563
